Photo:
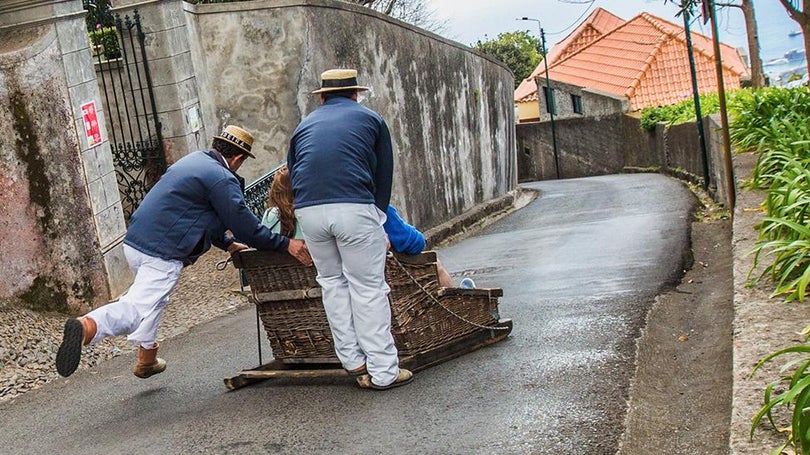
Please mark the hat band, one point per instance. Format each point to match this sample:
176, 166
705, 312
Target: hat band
235, 140
331, 83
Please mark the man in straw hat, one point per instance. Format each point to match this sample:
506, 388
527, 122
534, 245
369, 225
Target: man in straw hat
341, 165
193, 206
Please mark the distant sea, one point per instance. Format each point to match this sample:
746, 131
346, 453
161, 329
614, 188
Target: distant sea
780, 40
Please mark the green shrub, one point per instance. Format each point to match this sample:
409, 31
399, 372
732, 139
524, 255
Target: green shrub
679, 113
107, 38
760, 117
99, 14
775, 124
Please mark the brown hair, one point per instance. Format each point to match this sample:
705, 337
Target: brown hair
225, 148
281, 197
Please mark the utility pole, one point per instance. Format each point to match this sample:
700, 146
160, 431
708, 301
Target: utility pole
696, 96
721, 91
549, 95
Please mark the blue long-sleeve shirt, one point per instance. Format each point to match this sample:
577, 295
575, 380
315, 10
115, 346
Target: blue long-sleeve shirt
404, 238
191, 207
341, 153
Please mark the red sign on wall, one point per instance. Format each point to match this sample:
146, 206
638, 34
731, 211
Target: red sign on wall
91, 126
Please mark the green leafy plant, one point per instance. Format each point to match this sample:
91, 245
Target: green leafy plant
107, 39
775, 124
784, 234
796, 396
680, 112
99, 14
759, 117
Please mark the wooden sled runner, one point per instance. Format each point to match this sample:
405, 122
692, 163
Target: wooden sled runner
430, 324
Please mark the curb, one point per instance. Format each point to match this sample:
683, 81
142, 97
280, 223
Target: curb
474, 219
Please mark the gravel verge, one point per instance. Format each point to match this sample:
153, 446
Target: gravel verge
29, 340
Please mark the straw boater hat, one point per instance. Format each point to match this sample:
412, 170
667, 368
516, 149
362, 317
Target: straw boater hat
339, 79
238, 137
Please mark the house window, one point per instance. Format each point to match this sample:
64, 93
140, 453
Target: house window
550, 107
576, 101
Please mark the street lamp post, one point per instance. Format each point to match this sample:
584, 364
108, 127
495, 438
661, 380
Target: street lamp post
549, 94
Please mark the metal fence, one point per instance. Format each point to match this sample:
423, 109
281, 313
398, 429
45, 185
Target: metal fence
256, 192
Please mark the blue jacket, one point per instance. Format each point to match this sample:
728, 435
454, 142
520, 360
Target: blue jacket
191, 207
341, 153
404, 237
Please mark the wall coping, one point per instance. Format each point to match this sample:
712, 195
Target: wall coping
36, 41
42, 12
253, 5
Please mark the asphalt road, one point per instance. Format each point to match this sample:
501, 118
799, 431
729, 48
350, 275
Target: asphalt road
579, 266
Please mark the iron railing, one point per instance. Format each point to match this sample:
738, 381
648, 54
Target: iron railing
256, 192
133, 126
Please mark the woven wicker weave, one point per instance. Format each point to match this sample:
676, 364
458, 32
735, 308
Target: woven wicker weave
289, 303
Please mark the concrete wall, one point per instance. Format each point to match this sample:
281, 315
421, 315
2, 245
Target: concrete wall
61, 216
616, 143
449, 108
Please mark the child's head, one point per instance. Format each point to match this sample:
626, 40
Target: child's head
281, 197
281, 193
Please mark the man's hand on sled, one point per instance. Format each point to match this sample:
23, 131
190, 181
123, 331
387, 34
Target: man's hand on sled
298, 249
236, 246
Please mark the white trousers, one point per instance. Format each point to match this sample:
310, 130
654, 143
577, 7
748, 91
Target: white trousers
137, 312
348, 246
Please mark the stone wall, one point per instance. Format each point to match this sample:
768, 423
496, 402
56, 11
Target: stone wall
615, 143
593, 102
449, 108
61, 216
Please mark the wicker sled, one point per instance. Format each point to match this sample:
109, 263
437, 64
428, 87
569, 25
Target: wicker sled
430, 324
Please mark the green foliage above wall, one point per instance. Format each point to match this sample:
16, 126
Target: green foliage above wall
106, 39
518, 50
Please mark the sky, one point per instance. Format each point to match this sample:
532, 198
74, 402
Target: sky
471, 20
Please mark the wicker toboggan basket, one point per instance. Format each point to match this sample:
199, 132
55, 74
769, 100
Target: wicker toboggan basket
423, 315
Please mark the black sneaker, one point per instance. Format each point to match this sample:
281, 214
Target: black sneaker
70, 351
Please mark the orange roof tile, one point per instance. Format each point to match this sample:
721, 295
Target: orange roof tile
645, 59
592, 28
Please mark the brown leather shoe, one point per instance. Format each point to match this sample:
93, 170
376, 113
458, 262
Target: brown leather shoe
78, 332
404, 377
148, 362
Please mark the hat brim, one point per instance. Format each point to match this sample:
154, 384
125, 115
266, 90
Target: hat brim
237, 145
359, 88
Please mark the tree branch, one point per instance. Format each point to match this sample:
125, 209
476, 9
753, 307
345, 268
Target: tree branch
792, 10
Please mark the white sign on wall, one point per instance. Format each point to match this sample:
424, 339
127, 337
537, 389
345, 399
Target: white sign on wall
194, 119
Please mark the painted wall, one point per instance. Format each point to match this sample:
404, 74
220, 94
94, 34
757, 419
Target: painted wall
449, 108
528, 111
53, 255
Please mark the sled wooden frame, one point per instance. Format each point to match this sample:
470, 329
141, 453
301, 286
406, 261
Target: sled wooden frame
408, 276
